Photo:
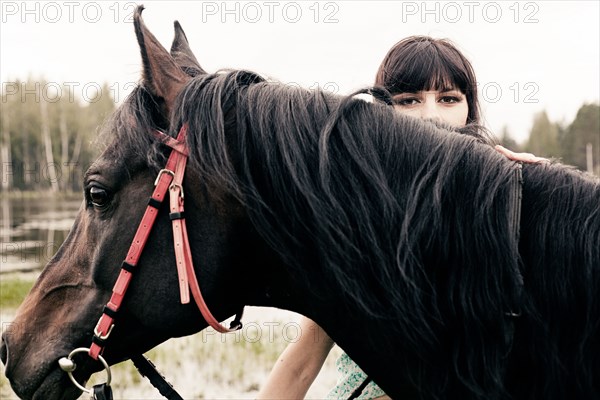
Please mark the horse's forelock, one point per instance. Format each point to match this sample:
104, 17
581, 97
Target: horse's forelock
129, 131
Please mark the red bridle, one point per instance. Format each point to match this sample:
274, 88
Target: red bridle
170, 178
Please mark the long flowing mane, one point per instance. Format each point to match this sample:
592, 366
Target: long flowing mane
408, 222
325, 182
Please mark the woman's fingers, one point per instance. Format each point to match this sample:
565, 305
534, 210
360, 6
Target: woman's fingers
524, 157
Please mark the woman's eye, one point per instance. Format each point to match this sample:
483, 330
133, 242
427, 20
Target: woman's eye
98, 196
450, 99
407, 102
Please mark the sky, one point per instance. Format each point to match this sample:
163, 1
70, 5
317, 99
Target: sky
528, 56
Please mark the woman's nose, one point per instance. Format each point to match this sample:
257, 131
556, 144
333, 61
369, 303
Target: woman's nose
430, 110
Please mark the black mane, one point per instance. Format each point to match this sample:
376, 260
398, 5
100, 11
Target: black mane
326, 180
410, 223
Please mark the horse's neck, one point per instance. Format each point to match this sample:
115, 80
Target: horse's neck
560, 209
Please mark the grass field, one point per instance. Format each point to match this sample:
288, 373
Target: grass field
207, 365
13, 290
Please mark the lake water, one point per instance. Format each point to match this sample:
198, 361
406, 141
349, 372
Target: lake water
203, 366
32, 229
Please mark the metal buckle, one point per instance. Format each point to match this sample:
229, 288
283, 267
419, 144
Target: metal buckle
97, 332
177, 185
163, 171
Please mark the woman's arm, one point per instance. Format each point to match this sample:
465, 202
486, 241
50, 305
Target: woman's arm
298, 365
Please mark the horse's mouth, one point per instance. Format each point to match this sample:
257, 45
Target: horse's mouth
55, 386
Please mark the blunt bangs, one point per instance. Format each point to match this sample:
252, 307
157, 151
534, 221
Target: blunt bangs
426, 67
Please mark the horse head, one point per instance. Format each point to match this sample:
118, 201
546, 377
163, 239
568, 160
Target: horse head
63, 307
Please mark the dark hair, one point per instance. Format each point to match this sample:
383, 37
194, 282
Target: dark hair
423, 63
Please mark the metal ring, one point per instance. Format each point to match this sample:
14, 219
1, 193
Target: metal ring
70, 372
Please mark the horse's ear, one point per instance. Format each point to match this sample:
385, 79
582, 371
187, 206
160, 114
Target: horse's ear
161, 75
182, 54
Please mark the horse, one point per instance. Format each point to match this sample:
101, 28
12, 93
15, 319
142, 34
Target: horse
442, 268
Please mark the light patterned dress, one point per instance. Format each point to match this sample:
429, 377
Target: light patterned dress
351, 376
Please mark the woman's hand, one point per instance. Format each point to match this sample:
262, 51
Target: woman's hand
524, 157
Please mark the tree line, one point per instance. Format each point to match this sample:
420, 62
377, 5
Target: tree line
47, 136
576, 143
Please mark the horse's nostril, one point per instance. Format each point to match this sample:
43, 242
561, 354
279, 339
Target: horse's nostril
3, 350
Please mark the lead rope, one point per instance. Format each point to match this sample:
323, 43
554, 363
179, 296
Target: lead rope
102, 392
147, 369
357, 392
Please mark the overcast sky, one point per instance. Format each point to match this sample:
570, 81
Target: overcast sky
528, 56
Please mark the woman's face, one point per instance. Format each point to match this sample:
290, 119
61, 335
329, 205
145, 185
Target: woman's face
449, 106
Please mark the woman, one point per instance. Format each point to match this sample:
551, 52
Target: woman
428, 78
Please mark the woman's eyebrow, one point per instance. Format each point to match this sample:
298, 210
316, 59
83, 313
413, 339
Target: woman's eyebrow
449, 89
404, 94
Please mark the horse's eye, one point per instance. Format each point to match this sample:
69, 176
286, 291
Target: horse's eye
98, 196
